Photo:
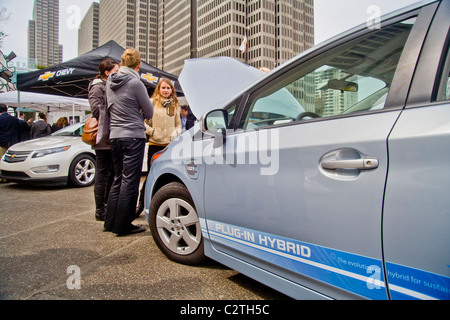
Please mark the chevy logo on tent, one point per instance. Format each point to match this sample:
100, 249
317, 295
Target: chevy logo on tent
149, 77
50, 74
46, 76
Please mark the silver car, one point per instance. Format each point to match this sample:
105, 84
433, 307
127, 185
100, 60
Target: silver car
326, 178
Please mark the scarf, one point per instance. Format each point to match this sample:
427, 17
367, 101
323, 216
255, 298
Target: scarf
168, 104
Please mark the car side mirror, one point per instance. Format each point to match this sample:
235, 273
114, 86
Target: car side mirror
215, 123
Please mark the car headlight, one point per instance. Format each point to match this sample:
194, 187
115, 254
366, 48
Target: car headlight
45, 152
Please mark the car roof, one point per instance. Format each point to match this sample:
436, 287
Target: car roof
357, 28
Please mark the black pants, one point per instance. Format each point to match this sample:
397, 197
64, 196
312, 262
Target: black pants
104, 176
152, 149
128, 155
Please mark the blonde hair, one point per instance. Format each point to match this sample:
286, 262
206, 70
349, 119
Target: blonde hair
131, 58
157, 95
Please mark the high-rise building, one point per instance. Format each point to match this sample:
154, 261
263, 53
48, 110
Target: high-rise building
130, 23
43, 34
88, 31
173, 34
275, 30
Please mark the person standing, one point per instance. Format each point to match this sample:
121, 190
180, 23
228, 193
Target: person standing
9, 130
128, 106
24, 128
104, 171
184, 117
61, 123
40, 127
190, 118
163, 128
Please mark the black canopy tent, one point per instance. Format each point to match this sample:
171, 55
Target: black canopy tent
71, 78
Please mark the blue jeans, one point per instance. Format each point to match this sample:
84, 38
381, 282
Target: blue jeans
128, 155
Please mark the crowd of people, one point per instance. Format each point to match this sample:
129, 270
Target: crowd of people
128, 118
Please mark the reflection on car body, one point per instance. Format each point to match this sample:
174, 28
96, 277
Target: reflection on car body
357, 207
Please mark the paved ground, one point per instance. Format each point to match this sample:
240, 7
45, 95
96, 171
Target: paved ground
47, 231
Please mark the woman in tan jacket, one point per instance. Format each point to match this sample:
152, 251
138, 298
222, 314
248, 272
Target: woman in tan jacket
164, 127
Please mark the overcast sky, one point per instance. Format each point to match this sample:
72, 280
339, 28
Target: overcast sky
330, 16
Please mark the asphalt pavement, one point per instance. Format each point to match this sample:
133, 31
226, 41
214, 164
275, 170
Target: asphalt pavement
51, 248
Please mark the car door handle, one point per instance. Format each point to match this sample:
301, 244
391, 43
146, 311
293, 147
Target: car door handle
362, 164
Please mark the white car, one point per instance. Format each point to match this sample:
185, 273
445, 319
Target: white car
61, 157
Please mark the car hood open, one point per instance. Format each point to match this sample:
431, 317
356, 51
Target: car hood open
208, 83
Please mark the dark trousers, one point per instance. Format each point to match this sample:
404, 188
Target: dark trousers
152, 149
104, 176
128, 154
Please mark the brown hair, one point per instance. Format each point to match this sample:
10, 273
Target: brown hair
107, 64
62, 122
131, 58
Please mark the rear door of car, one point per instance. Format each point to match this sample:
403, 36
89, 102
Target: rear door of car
416, 218
303, 198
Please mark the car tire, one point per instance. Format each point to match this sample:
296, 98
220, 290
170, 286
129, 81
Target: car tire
175, 225
82, 171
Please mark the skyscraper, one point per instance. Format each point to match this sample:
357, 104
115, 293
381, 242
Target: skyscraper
161, 30
275, 30
130, 23
88, 31
43, 34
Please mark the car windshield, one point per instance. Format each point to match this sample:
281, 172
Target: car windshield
72, 130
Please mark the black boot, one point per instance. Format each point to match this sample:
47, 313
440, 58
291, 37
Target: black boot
100, 214
139, 209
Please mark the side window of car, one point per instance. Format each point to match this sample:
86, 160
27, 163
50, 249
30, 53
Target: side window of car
444, 86
78, 132
354, 77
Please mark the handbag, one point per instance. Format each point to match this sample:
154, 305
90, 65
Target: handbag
90, 129
103, 128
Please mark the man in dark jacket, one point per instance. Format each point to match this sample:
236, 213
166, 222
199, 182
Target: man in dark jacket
9, 130
40, 127
24, 128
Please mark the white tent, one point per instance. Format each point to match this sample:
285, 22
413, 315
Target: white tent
43, 102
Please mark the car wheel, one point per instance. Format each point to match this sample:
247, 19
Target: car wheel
82, 171
175, 225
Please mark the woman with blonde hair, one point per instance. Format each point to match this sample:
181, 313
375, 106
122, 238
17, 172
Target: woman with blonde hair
61, 123
128, 106
164, 127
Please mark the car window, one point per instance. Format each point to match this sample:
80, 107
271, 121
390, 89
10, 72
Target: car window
72, 130
444, 87
354, 77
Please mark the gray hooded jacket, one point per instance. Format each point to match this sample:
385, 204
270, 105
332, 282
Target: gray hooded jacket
128, 104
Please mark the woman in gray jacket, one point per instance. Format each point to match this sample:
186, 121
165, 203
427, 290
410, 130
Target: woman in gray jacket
128, 106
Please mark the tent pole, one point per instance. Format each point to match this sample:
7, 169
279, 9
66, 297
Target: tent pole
18, 102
